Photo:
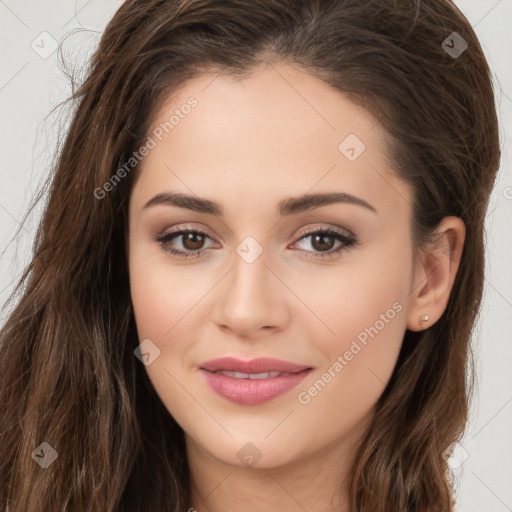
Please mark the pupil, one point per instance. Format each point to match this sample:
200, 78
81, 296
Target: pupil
195, 239
323, 244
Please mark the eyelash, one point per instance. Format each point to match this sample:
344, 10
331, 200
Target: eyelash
346, 242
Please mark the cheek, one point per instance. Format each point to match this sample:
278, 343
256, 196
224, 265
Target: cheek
169, 304
369, 290
161, 292
165, 306
151, 300
362, 307
163, 303
369, 307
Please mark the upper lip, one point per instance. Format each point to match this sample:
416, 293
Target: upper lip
259, 365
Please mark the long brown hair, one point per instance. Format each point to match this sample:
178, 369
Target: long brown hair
68, 373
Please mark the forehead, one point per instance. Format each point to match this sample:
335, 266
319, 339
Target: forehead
279, 132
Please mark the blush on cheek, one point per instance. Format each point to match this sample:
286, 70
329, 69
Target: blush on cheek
371, 328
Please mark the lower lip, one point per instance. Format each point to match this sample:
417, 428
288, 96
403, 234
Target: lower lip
252, 391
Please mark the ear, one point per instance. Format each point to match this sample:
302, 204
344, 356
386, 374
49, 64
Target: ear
435, 274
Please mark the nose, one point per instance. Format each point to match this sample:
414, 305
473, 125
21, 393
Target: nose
252, 300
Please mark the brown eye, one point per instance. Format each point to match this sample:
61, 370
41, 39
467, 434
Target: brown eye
192, 242
322, 242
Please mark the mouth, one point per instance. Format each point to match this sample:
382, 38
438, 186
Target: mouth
252, 382
254, 366
254, 376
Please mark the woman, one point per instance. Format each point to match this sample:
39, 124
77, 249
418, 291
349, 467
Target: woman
255, 280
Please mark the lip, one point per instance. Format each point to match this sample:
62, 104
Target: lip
259, 365
252, 391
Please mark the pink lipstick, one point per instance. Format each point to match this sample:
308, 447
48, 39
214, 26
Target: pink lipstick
252, 382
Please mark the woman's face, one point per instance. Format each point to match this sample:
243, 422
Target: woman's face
264, 285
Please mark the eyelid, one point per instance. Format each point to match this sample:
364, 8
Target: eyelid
183, 228
323, 227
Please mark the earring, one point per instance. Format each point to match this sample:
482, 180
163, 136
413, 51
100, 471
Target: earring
423, 319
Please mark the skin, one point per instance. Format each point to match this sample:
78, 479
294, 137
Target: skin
248, 145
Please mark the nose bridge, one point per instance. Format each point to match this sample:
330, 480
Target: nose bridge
251, 296
249, 281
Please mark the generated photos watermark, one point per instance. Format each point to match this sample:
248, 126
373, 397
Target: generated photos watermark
305, 397
151, 142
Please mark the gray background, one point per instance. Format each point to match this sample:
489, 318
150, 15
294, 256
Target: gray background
31, 84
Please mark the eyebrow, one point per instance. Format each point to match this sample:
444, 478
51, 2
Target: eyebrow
289, 206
